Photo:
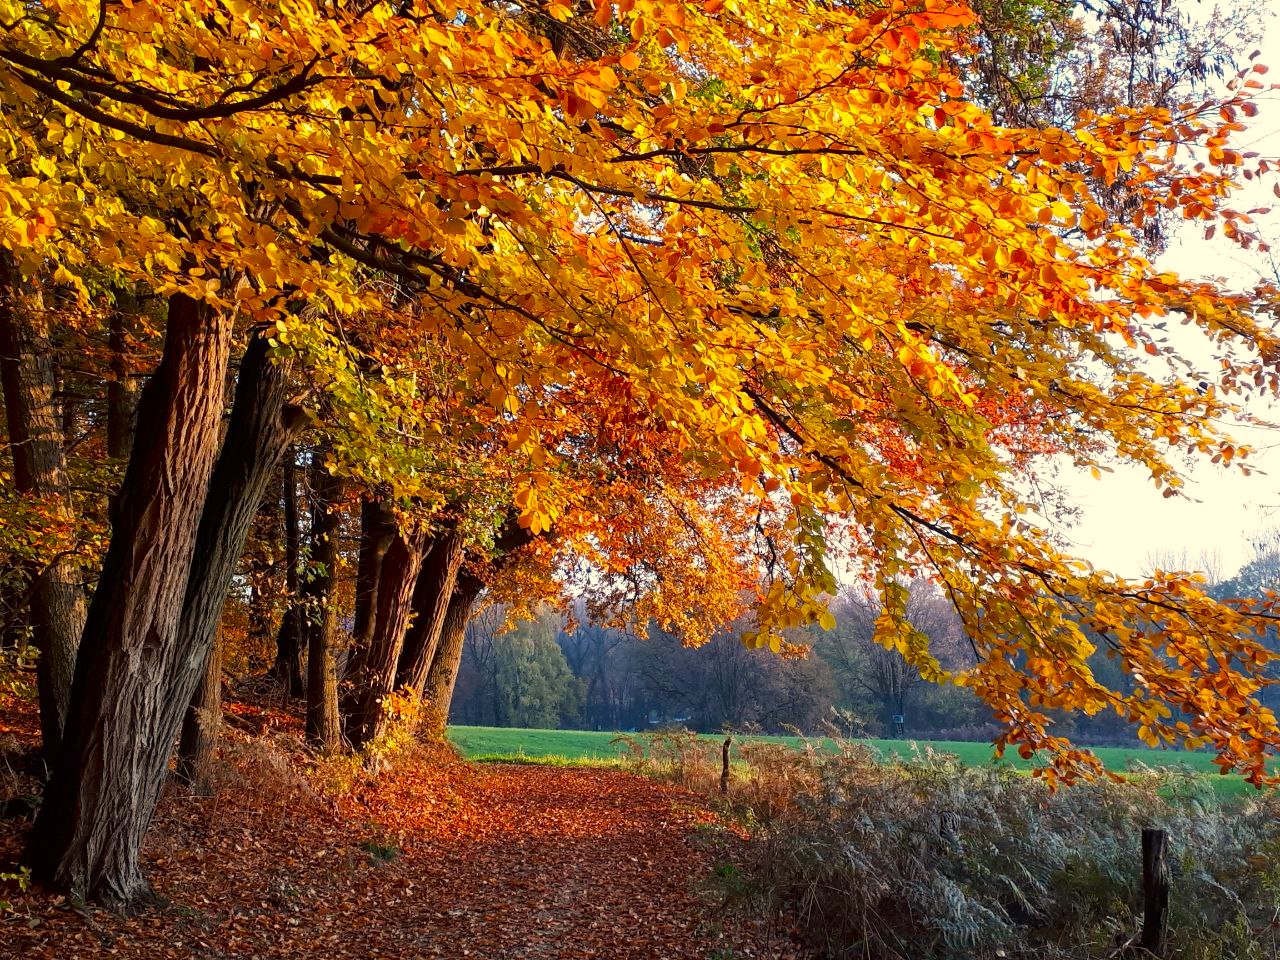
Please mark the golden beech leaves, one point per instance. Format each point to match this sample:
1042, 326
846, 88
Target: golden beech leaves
725, 296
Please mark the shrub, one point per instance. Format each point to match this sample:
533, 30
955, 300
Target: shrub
18, 879
675, 754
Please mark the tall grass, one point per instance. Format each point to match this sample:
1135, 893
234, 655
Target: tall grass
910, 858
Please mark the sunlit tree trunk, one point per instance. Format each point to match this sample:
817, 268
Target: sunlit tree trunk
437, 694
57, 605
107, 777
390, 560
430, 602
442, 675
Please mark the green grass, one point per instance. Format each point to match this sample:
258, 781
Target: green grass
570, 748
548, 760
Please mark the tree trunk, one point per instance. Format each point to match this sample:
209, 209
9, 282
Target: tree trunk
261, 428
260, 568
198, 742
389, 564
443, 674
430, 602
57, 606
122, 394
289, 639
152, 619
324, 730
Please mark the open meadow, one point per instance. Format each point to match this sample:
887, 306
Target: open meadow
592, 747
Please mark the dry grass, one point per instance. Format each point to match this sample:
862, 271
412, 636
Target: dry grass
926, 857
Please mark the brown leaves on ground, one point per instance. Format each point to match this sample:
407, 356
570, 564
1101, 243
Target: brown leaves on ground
435, 858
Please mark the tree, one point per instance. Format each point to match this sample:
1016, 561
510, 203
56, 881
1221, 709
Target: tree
480, 570
40, 473
117, 739
725, 684
437, 583
1255, 585
290, 641
323, 725
390, 558
1259, 576
442, 677
534, 686
151, 626
869, 672
775, 253
1046, 62
475, 699
600, 657
198, 739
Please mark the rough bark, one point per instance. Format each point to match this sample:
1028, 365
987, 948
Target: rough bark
430, 602
153, 616
323, 726
390, 560
36, 440
290, 638
198, 743
261, 427
442, 676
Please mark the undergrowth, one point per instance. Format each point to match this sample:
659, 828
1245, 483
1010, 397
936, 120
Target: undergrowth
343, 772
924, 857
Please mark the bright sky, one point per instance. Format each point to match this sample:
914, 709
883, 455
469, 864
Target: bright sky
1125, 521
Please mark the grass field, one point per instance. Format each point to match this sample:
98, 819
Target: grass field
590, 747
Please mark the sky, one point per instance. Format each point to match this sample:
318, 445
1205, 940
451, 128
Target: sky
1125, 524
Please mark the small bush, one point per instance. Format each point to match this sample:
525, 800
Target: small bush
17, 879
688, 758
340, 774
381, 853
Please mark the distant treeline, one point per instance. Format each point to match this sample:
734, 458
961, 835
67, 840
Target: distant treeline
548, 673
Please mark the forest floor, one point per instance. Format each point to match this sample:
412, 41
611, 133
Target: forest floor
436, 857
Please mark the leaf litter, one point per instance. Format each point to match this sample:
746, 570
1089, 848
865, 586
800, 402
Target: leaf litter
433, 858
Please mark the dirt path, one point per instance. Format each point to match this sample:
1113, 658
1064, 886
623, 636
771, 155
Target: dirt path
493, 862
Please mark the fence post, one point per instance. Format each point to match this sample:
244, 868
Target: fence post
724, 765
1155, 890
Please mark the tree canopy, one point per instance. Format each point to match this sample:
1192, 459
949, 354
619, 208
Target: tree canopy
724, 300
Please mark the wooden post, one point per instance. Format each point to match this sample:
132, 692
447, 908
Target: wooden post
724, 765
1155, 890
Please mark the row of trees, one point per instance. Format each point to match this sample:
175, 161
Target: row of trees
669, 304
555, 672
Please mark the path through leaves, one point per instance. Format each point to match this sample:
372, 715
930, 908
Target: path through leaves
435, 859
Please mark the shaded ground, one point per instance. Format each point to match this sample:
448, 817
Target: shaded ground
435, 859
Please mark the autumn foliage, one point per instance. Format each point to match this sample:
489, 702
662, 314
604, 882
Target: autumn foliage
691, 306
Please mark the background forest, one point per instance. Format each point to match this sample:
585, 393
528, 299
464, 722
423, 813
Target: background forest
557, 671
